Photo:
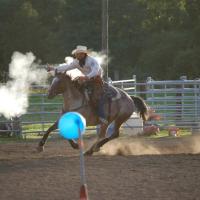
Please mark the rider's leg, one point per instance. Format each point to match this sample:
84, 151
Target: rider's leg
100, 110
87, 89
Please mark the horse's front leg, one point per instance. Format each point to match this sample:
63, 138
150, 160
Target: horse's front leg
41, 144
74, 144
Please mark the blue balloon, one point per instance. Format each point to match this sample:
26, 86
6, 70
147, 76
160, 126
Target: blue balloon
70, 124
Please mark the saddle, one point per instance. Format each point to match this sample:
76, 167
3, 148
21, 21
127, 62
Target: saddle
96, 88
111, 92
97, 93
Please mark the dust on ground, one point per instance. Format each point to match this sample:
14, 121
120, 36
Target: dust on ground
139, 168
146, 146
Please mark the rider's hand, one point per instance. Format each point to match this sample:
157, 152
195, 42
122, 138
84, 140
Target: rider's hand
82, 79
49, 68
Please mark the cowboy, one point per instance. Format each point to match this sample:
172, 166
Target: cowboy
91, 71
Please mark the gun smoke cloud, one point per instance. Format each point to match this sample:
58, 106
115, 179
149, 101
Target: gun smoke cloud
101, 58
14, 94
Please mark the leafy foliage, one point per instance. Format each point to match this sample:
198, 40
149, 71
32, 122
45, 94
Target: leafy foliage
158, 38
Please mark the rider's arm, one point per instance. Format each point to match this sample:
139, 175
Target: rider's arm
65, 67
95, 69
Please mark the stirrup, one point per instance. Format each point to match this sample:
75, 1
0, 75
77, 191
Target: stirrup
104, 121
86, 95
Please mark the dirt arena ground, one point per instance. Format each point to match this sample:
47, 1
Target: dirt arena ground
126, 169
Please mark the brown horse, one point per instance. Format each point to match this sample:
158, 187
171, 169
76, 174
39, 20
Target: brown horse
119, 109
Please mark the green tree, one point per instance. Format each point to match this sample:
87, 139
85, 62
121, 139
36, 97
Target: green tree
158, 38
126, 35
172, 45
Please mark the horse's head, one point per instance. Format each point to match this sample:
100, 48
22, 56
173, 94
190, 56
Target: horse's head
58, 85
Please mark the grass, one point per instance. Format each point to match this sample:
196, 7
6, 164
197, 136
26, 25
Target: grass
164, 133
30, 137
5, 140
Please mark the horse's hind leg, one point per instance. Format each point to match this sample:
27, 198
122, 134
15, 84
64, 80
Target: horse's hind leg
118, 122
114, 135
94, 147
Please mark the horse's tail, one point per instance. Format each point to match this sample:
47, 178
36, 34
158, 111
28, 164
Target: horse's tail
141, 107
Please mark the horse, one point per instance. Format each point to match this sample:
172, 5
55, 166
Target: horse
118, 109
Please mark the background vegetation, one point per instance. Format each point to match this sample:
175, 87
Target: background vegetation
158, 38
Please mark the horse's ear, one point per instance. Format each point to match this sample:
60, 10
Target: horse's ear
60, 74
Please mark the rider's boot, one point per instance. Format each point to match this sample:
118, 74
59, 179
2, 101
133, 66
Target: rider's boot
86, 93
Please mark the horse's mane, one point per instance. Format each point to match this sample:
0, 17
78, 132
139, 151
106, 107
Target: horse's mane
75, 82
68, 76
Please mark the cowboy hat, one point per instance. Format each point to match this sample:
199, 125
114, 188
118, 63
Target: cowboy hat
80, 49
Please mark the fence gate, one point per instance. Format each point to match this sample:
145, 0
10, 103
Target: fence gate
176, 101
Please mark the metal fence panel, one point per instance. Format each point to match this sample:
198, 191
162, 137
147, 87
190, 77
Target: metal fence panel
176, 101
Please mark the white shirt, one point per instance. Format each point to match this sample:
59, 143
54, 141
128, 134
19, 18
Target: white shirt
90, 69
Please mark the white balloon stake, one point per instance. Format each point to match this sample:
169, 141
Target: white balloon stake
83, 189
72, 126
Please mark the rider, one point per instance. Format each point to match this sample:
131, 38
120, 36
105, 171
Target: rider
91, 71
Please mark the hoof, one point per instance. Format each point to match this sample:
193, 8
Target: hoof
88, 153
96, 149
40, 149
75, 146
